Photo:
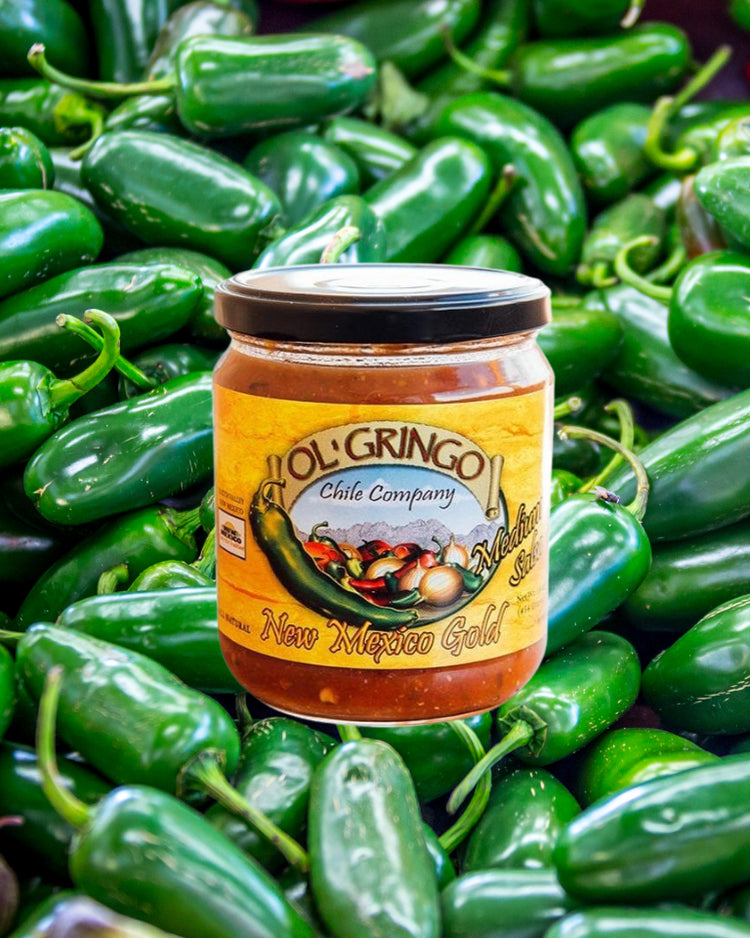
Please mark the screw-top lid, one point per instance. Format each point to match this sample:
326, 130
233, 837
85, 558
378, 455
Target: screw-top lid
383, 303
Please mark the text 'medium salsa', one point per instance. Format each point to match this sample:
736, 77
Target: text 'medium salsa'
383, 446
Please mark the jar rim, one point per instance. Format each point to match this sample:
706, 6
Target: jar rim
381, 302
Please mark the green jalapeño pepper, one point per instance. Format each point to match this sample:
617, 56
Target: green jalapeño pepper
511, 903
124, 34
128, 455
25, 162
579, 18
34, 403
431, 201
607, 148
697, 469
165, 864
699, 230
314, 76
669, 838
164, 362
277, 762
545, 214
691, 577
579, 344
57, 116
721, 188
149, 182
376, 151
139, 539
43, 233
179, 629
148, 303
575, 695
371, 871
699, 683
7, 690
42, 842
409, 34
518, 830
53, 22
485, 250
305, 242
624, 922
304, 170
631, 755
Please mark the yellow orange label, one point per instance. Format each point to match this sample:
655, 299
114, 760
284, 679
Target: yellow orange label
382, 536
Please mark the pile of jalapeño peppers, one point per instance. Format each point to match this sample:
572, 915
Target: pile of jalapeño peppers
611, 796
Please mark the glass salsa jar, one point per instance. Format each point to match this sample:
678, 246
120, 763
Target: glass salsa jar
383, 447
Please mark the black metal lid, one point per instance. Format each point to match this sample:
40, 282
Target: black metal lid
383, 303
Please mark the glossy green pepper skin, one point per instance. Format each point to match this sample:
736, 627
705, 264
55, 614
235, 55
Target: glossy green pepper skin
708, 326
148, 182
7, 690
569, 79
202, 325
579, 344
370, 868
577, 17
408, 34
563, 485
139, 539
155, 445
430, 202
662, 840
721, 189
53, 22
545, 214
43, 233
148, 303
157, 113
509, 903
169, 574
701, 463
147, 855
691, 577
631, 755
634, 216
436, 756
199, 18
646, 367
299, 79
699, 683
124, 713
26, 551
739, 10
25, 162
623, 922
306, 241
598, 555
57, 116
518, 829
607, 149
575, 695
485, 250
734, 140
699, 230
277, 762
303, 170
376, 151
44, 838
179, 629
124, 34
164, 362
665, 191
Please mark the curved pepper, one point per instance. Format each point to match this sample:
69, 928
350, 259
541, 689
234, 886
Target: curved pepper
155, 445
545, 214
579, 344
25, 162
57, 116
580, 18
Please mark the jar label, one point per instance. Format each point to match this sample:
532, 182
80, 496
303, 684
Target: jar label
379, 535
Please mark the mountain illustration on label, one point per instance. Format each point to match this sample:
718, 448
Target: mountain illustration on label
389, 524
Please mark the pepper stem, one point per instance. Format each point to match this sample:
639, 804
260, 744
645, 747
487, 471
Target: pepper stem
95, 89
206, 562
127, 369
507, 182
502, 77
111, 579
203, 772
666, 107
624, 413
65, 803
632, 14
340, 242
82, 112
9, 637
520, 734
244, 717
63, 392
570, 405
458, 832
669, 269
626, 273
348, 733
637, 507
